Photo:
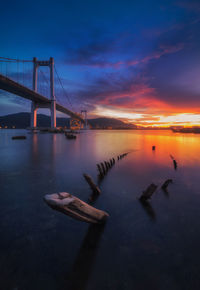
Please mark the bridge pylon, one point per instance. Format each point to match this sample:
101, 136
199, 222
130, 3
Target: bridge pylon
35, 106
85, 126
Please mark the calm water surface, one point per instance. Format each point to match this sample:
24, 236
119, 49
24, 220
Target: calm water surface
152, 247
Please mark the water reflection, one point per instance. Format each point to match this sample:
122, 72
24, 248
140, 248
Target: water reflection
93, 198
166, 192
148, 209
79, 276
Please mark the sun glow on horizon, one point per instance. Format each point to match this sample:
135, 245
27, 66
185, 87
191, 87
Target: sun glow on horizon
150, 120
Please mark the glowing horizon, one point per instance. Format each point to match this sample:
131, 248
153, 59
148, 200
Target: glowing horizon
150, 120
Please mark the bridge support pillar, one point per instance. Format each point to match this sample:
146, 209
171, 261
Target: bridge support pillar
33, 115
53, 114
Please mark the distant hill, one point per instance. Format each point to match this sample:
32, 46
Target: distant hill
22, 120
110, 122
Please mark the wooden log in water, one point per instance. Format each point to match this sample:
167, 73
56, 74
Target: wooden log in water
166, 183
75, 208
18, 137
148, 192
111, 163
91, 183
113, 160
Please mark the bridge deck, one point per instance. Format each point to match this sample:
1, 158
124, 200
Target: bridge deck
15, 88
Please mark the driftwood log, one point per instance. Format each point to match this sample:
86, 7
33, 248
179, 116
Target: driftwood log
148, 192
75, 208
91, 183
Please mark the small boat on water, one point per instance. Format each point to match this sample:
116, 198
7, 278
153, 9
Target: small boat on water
18, 137
70, 136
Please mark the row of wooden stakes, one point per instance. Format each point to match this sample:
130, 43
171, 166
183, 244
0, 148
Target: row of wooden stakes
103, 167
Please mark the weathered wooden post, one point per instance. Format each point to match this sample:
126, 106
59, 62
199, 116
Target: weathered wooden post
91, 183
106, 165
148, 192
100, 170
175, 164
166, 183
103, 168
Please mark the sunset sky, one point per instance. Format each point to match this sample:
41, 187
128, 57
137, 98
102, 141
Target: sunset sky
137, 61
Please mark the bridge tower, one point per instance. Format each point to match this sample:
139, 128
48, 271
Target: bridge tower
85, 126
34, 105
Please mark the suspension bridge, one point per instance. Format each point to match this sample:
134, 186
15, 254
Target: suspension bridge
33, 84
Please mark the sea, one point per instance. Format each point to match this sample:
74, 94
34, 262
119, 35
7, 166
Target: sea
155, 245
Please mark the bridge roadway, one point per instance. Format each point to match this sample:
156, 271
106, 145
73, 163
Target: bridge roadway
15, 88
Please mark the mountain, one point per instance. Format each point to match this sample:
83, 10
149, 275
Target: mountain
22, 120
101, 123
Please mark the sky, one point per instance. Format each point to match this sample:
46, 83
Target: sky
138, 61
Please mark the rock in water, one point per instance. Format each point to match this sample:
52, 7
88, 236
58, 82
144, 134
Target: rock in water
74, 207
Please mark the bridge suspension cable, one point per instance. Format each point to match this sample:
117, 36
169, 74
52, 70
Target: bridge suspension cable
65, 93
8, 59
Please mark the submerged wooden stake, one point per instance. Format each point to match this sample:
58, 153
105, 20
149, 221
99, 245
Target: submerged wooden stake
166, 183
175, 164
76, 208
103, 168
174, 161
109, 166
100, 170
106, 165
91, 183
148, 192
